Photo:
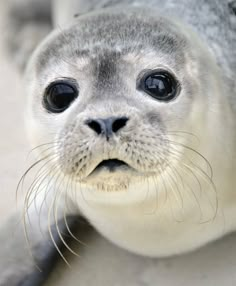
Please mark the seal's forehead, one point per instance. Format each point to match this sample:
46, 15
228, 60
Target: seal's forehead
126, 31
118, 32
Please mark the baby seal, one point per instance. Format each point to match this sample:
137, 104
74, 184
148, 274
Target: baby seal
134, 111
140, 122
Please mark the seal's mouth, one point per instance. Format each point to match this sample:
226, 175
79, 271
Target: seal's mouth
111, 165
111, 168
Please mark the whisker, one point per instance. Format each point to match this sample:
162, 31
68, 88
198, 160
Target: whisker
21, 181
41, 174
183, 134
32, 190
56, 221
51, 210
196, 152
29, 248
156, 196
174, 153
25, 212
51, 145
153, 211
206, 177
176, 198
53, 172
25, 215
27, 203
70, 180
191, 189
208, 180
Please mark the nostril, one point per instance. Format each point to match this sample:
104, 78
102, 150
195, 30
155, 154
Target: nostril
107, 126
119, 123
95, 125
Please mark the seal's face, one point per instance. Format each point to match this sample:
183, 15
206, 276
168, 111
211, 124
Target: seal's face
115, 95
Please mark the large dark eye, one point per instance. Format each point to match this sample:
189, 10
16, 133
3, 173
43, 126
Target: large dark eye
59, 95
160, 84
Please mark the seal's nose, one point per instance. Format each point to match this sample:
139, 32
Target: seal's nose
107, 126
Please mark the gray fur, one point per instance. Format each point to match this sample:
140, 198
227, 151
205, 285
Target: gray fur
30, 264
209, 18
95, 37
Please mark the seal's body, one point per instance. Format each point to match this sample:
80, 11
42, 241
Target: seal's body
135, 109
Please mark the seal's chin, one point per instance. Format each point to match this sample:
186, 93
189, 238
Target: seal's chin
113, 175
110, 175
110, 166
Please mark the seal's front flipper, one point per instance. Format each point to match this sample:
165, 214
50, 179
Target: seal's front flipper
17, 267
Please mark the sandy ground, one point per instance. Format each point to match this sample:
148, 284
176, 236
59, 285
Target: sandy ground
103, 264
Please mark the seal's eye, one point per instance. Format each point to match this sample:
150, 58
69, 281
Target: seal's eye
160, 84
59, 95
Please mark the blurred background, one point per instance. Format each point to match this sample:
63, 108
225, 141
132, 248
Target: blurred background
13, 143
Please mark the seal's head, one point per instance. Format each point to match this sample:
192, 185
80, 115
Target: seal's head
118, 95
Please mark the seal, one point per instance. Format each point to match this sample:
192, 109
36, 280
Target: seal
132, 110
